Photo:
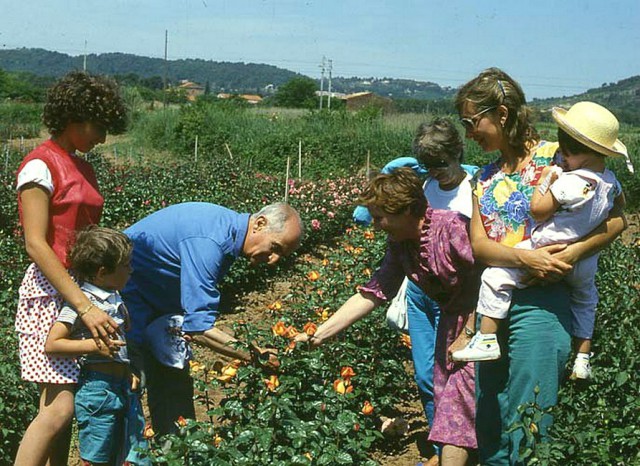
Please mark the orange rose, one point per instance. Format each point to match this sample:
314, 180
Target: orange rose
279, 329
148, 432
195, 366
325, 262
310, 328
275, 306
290, 347
405, 340
181, 422
347, 372
272, 383
313, 275
342, 386
228, 372
369, 234
291, 332
367, 272
367, 409
217, 440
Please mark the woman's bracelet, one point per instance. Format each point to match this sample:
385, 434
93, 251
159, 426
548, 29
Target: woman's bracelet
85, 310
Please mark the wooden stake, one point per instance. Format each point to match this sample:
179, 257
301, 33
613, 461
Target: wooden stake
286, 181
300, 159
195, 151
368, 166
228, 150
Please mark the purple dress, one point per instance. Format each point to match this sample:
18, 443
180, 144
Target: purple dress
441, 264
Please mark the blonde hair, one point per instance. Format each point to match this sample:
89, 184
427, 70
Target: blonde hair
492, 88
396, 192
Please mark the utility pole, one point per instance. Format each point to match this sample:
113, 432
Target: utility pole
322, 67
329, 100
84, 61
164, 78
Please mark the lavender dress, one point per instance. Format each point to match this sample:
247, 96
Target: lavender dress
441, 264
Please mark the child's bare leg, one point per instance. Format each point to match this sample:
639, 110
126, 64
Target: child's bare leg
489, 325
582, 345
54, 417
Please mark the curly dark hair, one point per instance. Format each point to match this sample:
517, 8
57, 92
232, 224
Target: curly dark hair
494, 87
438, 138
395, 192
80, 97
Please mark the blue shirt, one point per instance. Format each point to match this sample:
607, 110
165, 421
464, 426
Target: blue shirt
180, 254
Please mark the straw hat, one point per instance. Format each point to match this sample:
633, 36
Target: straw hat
592, 125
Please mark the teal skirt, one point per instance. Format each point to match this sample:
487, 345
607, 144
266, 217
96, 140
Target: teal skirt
536, 344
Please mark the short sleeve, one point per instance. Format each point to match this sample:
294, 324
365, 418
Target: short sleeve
572, 190
36, 171
202, 263
67, 315
386, 281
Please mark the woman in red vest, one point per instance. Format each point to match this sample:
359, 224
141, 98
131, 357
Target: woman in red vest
57, 196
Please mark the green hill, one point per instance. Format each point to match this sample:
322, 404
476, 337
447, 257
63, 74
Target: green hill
221, 76
622, 98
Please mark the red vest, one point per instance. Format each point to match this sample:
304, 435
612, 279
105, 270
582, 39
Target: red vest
75, 201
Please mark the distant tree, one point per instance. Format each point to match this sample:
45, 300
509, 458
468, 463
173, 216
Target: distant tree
207, 88
299, 92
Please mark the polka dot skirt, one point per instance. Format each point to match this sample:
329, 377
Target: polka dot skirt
38, 307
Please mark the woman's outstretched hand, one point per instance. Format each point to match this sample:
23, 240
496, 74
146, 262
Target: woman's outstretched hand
311, 340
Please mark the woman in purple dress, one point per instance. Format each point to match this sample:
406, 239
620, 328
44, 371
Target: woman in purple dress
432, 248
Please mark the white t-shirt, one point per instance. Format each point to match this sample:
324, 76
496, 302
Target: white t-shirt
35, 171
458, 199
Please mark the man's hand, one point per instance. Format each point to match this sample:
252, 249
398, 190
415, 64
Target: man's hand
265, 357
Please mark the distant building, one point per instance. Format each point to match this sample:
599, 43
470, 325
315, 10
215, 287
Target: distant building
360, 100
191, 89
253, 99
334, 95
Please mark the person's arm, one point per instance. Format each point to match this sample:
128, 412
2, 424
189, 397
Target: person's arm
354, 309
59, 344
543, 202
601, 237
35, 216
540, 262
225, 344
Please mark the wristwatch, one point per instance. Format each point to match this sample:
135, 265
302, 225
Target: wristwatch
468, 332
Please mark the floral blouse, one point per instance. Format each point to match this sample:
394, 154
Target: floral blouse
504, 199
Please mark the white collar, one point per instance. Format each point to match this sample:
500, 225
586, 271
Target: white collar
100, 293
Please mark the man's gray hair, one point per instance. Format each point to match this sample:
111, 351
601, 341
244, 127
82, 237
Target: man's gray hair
277, 216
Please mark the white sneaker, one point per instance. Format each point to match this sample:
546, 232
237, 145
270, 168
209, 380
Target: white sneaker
581, 367
482, 347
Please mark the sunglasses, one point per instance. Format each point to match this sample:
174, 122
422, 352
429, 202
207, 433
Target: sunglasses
470, 123
430, 162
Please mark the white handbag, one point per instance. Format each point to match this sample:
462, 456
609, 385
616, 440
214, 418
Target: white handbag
397, 312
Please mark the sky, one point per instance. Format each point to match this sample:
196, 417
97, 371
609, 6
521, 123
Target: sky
552, 48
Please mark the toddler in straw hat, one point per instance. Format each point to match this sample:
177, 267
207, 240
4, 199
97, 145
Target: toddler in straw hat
567, 206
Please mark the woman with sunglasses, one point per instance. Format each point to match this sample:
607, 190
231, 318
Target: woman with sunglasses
494, 114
